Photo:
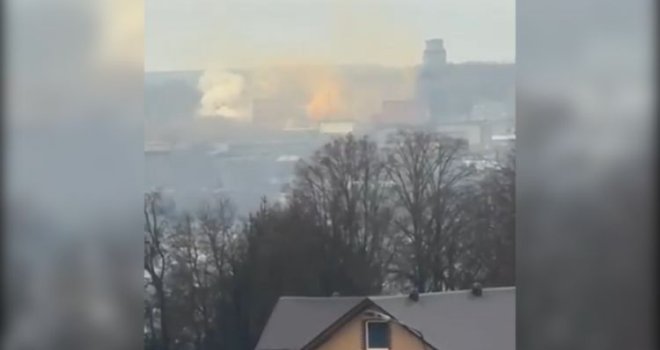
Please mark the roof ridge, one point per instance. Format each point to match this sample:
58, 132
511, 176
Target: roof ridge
302, 297
303, 322
461, 291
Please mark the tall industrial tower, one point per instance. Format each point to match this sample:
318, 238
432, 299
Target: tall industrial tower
435, 55
431, 84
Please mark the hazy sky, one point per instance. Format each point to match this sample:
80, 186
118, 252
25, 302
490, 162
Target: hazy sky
199, 34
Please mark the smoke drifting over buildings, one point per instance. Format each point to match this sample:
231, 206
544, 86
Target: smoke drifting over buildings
246, 119
223, 95
304, 94
274, 95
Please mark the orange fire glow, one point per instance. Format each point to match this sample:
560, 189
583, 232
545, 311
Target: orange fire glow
327, 100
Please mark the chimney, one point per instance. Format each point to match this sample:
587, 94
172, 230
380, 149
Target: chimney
414, 296
477, 291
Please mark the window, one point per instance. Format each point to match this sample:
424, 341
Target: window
378, 335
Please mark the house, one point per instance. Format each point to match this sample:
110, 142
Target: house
458, 320
401, 112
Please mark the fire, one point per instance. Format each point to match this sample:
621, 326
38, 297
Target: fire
326, 93
326, 102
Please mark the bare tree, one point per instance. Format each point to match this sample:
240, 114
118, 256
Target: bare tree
199, 273
493, 244
156, 259
357, 214
427, 176
216, 223
217, 242
343, 187
187, 284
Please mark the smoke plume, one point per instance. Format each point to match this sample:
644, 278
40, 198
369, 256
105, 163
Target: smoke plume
223, 95
312, 91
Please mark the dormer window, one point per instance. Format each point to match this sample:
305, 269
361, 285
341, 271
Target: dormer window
377, 335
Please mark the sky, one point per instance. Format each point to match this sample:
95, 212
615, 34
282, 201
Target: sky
205, 34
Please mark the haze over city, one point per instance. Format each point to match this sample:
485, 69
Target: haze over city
261, 84
204, 34
329, 174
331, 148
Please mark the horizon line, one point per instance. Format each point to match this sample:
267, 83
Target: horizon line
326, 64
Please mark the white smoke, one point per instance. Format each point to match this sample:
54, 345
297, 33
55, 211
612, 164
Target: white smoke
222, 95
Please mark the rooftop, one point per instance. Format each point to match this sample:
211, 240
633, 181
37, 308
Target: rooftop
456, 320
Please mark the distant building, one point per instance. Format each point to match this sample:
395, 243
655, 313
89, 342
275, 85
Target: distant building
489, 110
476, 133
274, 113
401, 112
476, 90
287, 158
502, 144
432, 87
435, 55
336, 127
504, 138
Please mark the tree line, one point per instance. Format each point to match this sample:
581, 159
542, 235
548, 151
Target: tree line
359, 219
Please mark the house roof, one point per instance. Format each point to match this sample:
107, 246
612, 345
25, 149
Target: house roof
295, 321
454, 320
459, 320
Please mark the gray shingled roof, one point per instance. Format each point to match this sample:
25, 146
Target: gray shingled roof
448, 320
295, 321
459, 320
